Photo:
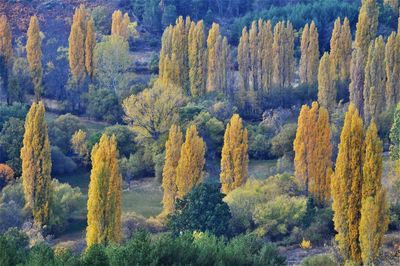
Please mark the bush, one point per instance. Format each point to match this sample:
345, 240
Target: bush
11, 138
104, 105
15, 110
13, 248
283, 142
61, 164
95, 256
137, 165
318, 260
203, 209
41, 254
6, 175
125, 139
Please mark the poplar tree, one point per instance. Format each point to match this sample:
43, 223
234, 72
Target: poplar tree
172, 155
197, 59
34, 55
375, 80
266, 55
347, 186
392, 60
309, 55
104, 197
180, 55
90, 45
243, 58
76, 51
166, 50
120, 24
5, 52
367, 25
374, 210
313, 152
189, 171
36, 164
357, 81
326, 86
341, 50
212, 64
235, 158
283, 49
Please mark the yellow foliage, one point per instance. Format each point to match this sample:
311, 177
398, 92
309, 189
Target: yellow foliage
34, 55
305, 244
5, 39
327, 91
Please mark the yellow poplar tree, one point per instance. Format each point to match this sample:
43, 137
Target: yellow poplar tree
76, 53
367, 25
341, 49
392, 60
309, 60
79, 146
34, 55
5, 40
197, 59
346, 186
36, 164
374, 211
357, 80
172, 155
212, 64
305, 40
104, 197
166, 50
116, 22
375, 80
90, 45
189, 171
266, 56
283, 49
235, 158
326, 86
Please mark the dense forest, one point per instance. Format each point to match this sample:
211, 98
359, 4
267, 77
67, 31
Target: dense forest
199, 132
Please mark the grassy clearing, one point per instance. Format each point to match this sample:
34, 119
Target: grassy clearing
261, 169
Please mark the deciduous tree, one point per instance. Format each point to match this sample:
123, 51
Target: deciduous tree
341, 49
327, 91
197, 59
392, 60
34, 55
309, 55
283, 49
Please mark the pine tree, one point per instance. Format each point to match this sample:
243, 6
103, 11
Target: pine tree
90, 44
367, 25
189, 171
347, 186
197, 59
34, 55
392, 59
283, 49
341, 49
357, 81
172, 156
313, 152
375, 80
36, 164
104, 199
374, 212
326, 86
235, 158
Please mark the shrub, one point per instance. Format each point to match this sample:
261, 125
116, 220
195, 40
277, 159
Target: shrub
15, 110
41, 254
13, 248
104, 105
61, 164
6, 175
318, 260
125, 139
203, 209
95, 256
283, 142
10, 216
305, 244
11, 137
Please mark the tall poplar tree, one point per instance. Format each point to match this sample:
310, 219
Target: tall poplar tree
341, 49
357, 73
367, 25
267, 40
34, 55
120, 24
327, 91
283, 49
5, 55
392, 60
212, 64
347, 186
36, 164
375, 80
172, 155
374, 210
235, 158
90, 45
313, 152
189, 171
197, 59
309, 55
104, 197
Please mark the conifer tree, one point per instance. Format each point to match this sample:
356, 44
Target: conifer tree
326, 86
341, 49
392, 60
283, 49
347, 186
375, 80
90, 44
36, 164
172, 155
34, 55
313, 152
367, 25
235, 158
104, 198
189, 171
5, 52
197, 59
374, 212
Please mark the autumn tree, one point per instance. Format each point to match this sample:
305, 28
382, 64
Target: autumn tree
392, 60
172, 155
313, 152
347, 186
36, 164
326, 85
374, 211
367, 25
341, 49
395, 135
267, 40
375, 80
357, 73
79, 146
235, 158
120, 24
197, 59
283, 53
5, 53
309, 55
189, 171
34, 55
152, 112
104, 197
90, 45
